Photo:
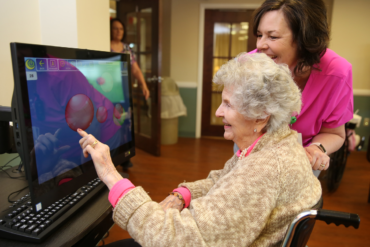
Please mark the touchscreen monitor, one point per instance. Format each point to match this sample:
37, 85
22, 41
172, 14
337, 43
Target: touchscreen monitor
56, 91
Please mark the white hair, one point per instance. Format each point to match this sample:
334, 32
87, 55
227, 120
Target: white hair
261, 88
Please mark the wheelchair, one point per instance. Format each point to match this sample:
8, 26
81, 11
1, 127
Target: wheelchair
300, 229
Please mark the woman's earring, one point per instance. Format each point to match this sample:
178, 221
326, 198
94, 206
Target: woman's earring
255, 130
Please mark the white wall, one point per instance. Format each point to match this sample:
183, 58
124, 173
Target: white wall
68, 23
20, 22
184, 40
350, 38
93, 24
58, 23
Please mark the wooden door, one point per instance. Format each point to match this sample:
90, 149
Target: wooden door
143, 34
226, 34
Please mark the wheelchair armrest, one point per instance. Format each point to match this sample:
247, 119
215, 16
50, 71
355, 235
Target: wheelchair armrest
338, 218
329, 216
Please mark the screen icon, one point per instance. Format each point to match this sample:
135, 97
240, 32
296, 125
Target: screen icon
67, 64
62, 64
41, 64
31, 75
72, 64
30, 64
52, 64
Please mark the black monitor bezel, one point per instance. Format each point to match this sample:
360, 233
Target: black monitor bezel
20, 102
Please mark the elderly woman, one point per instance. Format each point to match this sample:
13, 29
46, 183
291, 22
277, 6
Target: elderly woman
296, 33
249, 202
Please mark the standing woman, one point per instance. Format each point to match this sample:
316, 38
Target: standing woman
295, 32
117, 36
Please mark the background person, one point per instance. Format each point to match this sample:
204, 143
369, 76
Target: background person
117, 36
295, 32
254, 197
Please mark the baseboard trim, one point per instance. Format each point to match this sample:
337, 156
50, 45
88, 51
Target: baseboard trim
184, 84
186, 134
361, 92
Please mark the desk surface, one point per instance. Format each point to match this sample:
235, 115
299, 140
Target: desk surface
73, 229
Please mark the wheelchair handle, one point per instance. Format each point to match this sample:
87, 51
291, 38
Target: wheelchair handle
338, 218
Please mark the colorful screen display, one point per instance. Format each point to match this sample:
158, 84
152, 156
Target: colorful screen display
65, 95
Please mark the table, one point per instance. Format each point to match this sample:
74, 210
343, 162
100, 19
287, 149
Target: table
84, 228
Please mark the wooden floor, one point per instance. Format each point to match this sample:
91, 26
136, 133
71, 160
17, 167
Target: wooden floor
192, 159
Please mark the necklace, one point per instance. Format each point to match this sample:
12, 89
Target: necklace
243, 153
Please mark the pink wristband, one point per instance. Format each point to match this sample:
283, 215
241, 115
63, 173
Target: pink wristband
118, 190
186, 195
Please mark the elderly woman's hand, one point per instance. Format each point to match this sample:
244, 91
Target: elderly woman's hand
100, 155
172, 201
318, 159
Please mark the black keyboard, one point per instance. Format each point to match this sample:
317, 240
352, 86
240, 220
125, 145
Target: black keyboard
21, 223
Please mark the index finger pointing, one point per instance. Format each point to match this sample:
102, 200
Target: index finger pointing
81, 132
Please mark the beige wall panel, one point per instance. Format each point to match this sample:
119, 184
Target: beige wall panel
58, 23
184, 40
166, 37
93, 24
350, 38
20, 22
232, 1
185, 36
27, 21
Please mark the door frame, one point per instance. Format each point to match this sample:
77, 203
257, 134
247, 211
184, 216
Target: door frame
150, 144
202, 8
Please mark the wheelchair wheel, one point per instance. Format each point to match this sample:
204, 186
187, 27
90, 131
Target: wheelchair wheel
338, 161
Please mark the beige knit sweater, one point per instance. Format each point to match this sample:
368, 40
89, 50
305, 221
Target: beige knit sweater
250, 202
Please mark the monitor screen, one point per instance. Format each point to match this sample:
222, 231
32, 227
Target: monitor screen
58, 90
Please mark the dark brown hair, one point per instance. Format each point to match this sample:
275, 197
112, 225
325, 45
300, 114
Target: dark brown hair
308, 22
124, 28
